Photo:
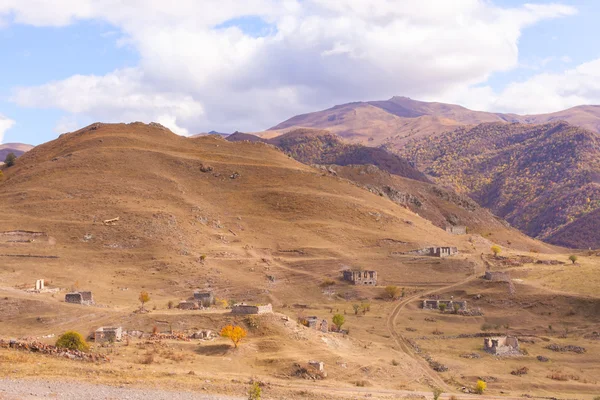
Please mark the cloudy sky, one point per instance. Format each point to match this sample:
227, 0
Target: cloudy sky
225, 65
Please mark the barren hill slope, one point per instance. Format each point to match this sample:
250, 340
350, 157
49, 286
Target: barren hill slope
251, 202
538, 177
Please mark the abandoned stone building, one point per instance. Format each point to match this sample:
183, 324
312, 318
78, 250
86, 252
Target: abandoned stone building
314, 323
501, 345
361, 277
83, 298
205, 299
188, 305
108, 334
432, 304
243, 308
443, 251
456, 230
497, 276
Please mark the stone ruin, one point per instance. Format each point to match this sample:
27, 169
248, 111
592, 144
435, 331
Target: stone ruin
108, 334
83, 298
39, 284
317, 365
358, 277
243, 308
188, 305
497, 276
501, 345
456, 229
314, 323
443, 251
434, 251
40, 287
204, 334
205, 299
432, 304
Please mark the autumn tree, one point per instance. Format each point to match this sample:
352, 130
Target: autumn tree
392, 292
144, 298
255, 392
339, 320
573, 258
496, 250
480, 387
234, 333
10, 159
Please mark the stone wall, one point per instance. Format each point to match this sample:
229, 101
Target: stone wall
501, 345
84, 298
248, 309
457, 230
106, 334
497, 276
432, 304
358, 277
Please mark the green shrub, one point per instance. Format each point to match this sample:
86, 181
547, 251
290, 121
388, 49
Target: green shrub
255, 392
10, 159
73, 341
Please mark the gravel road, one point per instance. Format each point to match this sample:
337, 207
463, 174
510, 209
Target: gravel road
39, 389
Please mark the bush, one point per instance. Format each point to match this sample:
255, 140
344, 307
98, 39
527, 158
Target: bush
339, 320
573, 258
170, 304
73, 341
480, 387
496, 250
10, 159
442, 307
392, 292
255, 392
437, 392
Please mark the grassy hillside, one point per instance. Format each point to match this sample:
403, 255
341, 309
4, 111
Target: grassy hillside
539, 178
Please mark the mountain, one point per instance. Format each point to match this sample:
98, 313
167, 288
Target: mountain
395, 121
17, 148
540, 178
388, 176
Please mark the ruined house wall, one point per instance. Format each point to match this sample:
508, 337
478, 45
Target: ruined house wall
497, 276
457, 230
247, 309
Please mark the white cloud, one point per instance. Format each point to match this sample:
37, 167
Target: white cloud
194, 76
541, 93
5, 124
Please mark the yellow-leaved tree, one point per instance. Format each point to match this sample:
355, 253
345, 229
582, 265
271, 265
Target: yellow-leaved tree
234, 333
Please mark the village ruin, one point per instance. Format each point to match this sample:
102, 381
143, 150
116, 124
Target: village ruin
83, 298
358, 277
501, 345
456, 229
108, 334
456, 305
205, 299
441, 251
315, 322
243, 308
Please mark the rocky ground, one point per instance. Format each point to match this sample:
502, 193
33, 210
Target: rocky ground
26, 389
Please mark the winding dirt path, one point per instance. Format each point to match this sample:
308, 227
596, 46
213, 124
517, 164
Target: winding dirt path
403, 343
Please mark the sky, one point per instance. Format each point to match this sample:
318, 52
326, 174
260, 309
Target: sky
226, 65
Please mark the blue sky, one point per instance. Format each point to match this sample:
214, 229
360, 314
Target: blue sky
248, 67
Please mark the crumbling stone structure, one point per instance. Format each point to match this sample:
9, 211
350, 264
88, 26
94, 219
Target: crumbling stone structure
243, 308
456, 230
443, 251
432, 304
501, 345
205, 299
361, 277
497, 276
188, 305
108, 334
83, 298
